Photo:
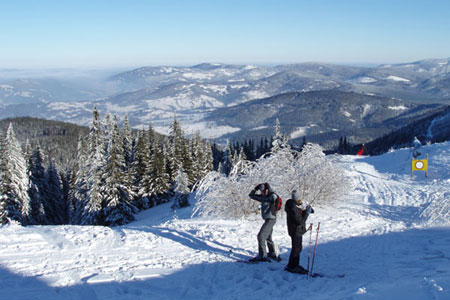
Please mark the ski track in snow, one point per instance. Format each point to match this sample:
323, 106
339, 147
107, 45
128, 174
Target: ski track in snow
390, 238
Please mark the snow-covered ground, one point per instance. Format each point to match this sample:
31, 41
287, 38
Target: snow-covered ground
390, 237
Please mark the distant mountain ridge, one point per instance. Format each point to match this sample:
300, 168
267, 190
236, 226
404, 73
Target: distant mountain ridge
201, 96
322, 116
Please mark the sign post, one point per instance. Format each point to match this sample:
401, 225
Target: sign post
419, 165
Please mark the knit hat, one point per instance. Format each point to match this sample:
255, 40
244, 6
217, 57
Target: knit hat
296, 195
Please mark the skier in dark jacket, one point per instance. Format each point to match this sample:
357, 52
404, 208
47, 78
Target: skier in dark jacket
296, 213
264, 194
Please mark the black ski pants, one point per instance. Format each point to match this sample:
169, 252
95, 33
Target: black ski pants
294, 258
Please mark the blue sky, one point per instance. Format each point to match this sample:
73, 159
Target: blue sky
112, 33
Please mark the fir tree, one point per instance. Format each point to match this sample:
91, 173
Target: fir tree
117, 207
227, 159
3, 184
187, 162
53, 203
238, 163
196, 155
96, 163
217, 157
15, 180
66, 185
79, 198
181, 190
36, 173
250, 153
202, 158
160, 183
140, 171
127, 140
176, 139
260, 149
279, 140
207, 161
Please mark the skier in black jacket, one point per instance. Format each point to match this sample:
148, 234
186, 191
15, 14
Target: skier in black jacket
296, 213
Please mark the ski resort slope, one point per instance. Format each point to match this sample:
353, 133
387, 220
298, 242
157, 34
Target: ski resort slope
390, 238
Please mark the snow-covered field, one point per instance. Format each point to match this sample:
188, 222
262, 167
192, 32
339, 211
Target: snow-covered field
390, 237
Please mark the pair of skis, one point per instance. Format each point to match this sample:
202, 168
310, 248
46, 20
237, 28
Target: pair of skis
311, 273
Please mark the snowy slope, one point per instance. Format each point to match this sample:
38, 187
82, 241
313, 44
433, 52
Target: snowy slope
390, 237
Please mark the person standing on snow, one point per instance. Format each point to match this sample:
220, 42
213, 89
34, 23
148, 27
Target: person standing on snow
264, 194
416, 145
296, 214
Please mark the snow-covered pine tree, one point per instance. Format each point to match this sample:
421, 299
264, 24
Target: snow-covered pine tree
96, 163
227, 159
176, 139
108, 129
36, 172
128, 152
117, 207
66, 185
196, 155
140, 169
279, 140
181, 190
239, 163
3, 212
127, 140
250, 151
3, 199
15, 180
160, 183
146, 182
79, 198
188, 164
239, 156
55, 211
260, 150
202, 158
28, 150
207, 160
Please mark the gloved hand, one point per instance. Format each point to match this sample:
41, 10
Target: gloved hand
259, 187
309, 209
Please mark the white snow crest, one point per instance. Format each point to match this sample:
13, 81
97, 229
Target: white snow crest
397, 78
215, 88
6, 87
346, 113
198, 76
259, 128
366, 109
399, 107
364, 79
256, 94
299, 132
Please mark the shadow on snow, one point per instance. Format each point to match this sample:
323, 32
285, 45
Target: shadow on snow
413, 264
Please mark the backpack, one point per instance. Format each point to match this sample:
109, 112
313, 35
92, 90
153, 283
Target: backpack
278, 203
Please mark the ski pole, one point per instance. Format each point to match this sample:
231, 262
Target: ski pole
315, 249
309, 249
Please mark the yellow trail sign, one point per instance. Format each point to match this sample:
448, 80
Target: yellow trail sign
419, 165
